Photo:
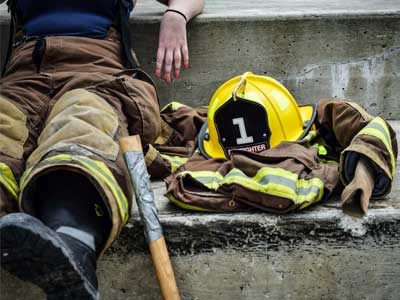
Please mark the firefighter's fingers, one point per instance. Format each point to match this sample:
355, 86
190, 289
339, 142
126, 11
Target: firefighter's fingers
160, 60
177, 62
168, 65
185, 54
173, 40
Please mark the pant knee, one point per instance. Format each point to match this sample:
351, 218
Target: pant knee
13, 129
82, 122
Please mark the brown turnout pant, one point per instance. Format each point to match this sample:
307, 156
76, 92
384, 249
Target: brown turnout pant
64, 102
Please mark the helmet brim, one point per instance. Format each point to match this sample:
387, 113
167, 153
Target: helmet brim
202, 139
308, 114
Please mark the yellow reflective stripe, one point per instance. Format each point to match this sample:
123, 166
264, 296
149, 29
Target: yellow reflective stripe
311, 135
376, 133
100, 170
279, 182
4, 181
271, 181
211, 180
8, 180
326, 161
175, 161
150, 156
174, 106
24, 176
308, 203
185, 205
322, 150
105, 174
8, 176
98, 210
378, 128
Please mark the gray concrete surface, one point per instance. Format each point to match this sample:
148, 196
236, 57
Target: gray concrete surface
326, 273
319, 253
224, 9
318, 49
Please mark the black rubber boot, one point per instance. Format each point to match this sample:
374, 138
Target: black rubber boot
62, 266
69, 200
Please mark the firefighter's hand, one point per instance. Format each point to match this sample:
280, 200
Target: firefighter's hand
172, 46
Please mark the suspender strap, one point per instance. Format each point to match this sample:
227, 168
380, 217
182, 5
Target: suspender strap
13, 25
122, 23
123, 20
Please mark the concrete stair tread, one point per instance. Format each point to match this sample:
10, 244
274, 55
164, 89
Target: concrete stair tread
237, 9
151, 9
247, 230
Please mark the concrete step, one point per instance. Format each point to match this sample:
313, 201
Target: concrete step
319, 253
318, 49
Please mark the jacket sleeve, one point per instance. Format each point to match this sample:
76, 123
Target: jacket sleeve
353, 133
180, 125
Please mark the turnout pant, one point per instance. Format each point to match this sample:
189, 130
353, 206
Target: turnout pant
64, 102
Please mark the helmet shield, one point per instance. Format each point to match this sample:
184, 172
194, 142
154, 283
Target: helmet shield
242, 124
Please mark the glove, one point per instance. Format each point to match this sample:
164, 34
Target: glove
355, 197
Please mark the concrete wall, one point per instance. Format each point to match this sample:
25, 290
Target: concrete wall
316, 58
345, 57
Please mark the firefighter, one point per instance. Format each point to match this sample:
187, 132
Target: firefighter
71, 86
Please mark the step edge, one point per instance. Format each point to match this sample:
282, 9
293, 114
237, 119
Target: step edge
237, 17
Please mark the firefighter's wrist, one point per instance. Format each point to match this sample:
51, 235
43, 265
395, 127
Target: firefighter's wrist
176, 12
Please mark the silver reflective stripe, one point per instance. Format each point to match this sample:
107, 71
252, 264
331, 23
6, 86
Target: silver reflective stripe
280, 180
78, 234
381, 129
207, 179
265, 180
303, 191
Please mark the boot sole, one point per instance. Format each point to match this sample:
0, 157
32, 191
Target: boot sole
34, 253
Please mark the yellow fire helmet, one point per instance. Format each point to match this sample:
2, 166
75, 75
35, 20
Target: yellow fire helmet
253, 113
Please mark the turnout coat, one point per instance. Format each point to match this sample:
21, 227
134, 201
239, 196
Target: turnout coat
286, 178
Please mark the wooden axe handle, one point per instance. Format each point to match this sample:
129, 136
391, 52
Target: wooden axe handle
130, 143
158, 248
164, 271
